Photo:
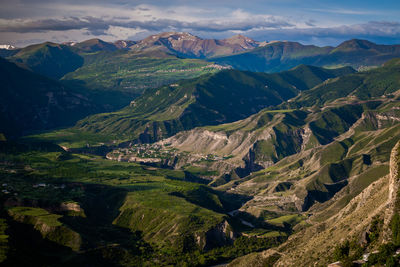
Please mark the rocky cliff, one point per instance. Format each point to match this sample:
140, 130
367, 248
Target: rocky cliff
393, 197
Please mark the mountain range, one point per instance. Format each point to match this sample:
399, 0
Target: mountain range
82, 61
278, 56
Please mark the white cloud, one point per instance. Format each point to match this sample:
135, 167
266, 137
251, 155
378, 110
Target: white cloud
80, 21
137, 18
121, 33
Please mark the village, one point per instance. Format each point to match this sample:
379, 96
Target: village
209, 66
154, 153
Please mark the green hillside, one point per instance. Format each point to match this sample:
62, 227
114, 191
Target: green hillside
49, 59
131, 71
357, 86
278, 56
210, 99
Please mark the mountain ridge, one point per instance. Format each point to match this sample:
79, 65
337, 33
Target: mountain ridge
278, 56
37, 103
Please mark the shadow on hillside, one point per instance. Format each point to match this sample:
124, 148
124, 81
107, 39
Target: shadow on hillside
101, 238
27, 247
322, 196
208, 198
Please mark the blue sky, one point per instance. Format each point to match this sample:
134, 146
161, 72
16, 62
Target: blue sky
323, 22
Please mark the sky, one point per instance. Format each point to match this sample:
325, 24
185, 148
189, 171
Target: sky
319, 22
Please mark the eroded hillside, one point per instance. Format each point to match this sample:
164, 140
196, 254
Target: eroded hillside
360, 221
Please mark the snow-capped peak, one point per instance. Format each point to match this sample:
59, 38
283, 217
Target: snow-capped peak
70, 43
7, 46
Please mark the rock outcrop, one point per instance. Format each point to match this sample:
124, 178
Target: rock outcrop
220, 235
394, 185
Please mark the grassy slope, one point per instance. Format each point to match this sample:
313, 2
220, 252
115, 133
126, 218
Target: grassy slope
130, 71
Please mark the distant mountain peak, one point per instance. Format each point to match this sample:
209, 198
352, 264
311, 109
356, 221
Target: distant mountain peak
243, 41
356, 44
124, 44
94, 45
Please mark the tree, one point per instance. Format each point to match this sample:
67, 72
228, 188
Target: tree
342, 251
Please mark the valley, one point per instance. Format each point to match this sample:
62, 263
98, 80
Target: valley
180, 151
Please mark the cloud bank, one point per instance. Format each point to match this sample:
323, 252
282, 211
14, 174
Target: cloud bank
95, 25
